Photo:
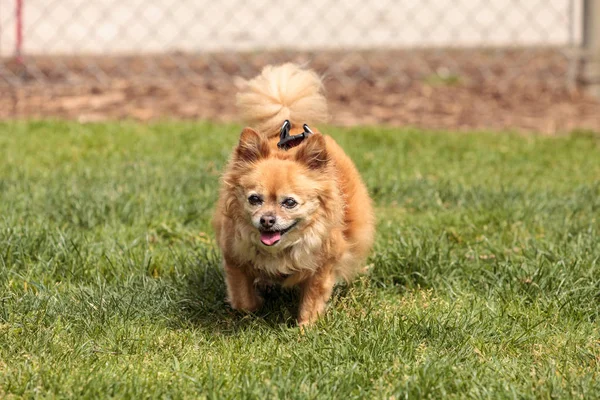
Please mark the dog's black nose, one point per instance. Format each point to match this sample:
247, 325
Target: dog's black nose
267, 221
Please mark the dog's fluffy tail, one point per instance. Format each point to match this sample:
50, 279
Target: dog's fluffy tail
282, 92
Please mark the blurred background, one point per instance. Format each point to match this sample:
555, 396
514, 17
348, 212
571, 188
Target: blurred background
446, 64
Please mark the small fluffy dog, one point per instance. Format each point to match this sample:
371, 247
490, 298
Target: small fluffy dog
297, 216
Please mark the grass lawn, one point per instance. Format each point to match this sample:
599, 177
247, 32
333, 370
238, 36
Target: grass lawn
485, 278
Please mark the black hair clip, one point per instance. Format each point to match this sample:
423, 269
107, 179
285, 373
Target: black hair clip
286, 141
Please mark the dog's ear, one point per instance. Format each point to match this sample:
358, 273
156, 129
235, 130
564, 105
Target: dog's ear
252, 147
313, 152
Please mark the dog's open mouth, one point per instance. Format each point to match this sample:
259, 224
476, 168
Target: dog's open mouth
270, 238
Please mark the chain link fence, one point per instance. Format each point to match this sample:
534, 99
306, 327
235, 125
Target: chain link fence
82, 50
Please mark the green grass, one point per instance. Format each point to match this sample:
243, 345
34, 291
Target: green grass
485, 279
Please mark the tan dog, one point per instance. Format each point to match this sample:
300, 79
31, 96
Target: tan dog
297, 217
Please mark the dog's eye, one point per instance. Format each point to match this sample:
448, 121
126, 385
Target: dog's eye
254, 200
289, 203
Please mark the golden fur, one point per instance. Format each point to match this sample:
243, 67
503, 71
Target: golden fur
279, 93
327, 231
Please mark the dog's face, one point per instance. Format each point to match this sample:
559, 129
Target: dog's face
280, 196
279, 200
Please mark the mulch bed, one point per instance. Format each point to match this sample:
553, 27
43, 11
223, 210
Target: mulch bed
522, 90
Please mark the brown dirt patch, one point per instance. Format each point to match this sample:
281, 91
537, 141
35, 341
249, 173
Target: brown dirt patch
456, 90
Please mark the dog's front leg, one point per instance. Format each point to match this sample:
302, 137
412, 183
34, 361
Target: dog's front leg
241, 293
315, 292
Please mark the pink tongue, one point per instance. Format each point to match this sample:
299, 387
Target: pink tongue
270, 238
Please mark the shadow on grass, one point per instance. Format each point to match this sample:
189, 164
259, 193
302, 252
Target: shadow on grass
203, 304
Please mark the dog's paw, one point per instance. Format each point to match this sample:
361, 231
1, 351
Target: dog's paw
252, 304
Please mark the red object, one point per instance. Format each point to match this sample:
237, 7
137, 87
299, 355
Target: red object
19, 33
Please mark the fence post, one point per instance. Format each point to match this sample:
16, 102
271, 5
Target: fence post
591, 46
19, 31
